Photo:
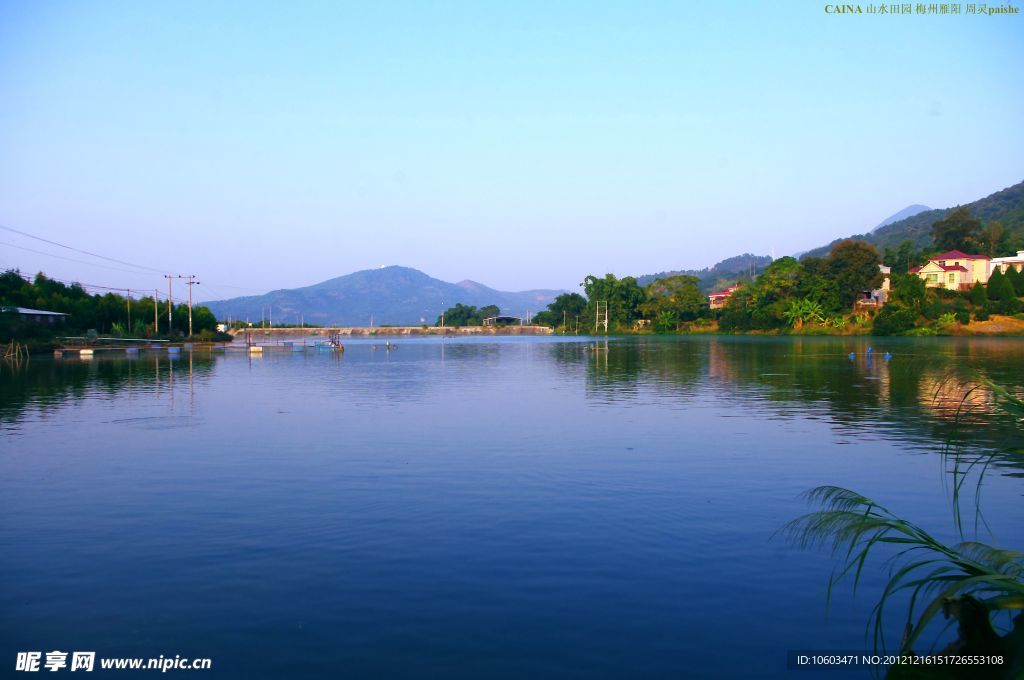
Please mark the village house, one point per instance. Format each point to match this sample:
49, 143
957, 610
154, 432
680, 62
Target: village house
718, 299
1004, 263
954, 270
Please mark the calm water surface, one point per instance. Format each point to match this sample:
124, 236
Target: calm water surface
482, 507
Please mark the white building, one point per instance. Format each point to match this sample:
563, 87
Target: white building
1003, 263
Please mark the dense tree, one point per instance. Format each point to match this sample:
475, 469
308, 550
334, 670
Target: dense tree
958, 231
893, 319
623, 296
673, 299
995, 282
1017, 279
978, 296
817, 285
993, 239
1008, 302
737, 315
907, 291
772, 291
466, 315
566, 309
803, 311
902, 258
853, 265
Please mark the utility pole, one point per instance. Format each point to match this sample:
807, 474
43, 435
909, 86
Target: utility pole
156, 317
170, 303
191, 282
599, 318
129, 298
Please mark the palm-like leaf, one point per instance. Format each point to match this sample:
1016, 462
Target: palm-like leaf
853, 525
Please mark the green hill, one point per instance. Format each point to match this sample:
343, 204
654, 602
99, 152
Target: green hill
725, 273
1006, 207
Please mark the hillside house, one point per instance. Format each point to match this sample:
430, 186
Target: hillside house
878, 296
954, 270
1004, 263
717, 299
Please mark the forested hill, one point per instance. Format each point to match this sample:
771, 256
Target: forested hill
1006, 207
726, 272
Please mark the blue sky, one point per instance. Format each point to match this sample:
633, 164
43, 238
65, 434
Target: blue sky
522, 145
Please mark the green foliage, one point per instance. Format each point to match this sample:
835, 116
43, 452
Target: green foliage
995, 283
981, 314
565, 309
978, 296
907, 290
853, 265
803, 311
736, 316
931, 570
623, 296
993, 239
672, 300
466, 315
903, 257
893, 319
1008, 302
816, 283
1017, 279
958, 231
770, 294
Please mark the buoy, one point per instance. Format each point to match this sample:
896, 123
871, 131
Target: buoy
870, 350
852, 356
888, 356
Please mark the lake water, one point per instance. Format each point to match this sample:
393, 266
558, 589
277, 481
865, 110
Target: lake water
484, 507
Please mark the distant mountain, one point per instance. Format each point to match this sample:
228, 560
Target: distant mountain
724, 273
909, 211
389, 296
1006, 206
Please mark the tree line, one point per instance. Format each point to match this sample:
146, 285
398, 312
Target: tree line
106, 314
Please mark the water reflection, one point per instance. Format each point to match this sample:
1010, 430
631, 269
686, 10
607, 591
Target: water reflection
927, 393
930, 391
43, 384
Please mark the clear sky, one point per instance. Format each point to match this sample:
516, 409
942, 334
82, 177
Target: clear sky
520, 144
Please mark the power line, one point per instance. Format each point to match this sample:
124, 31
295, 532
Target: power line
77, 250
103, 257
29, 279
71, 259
